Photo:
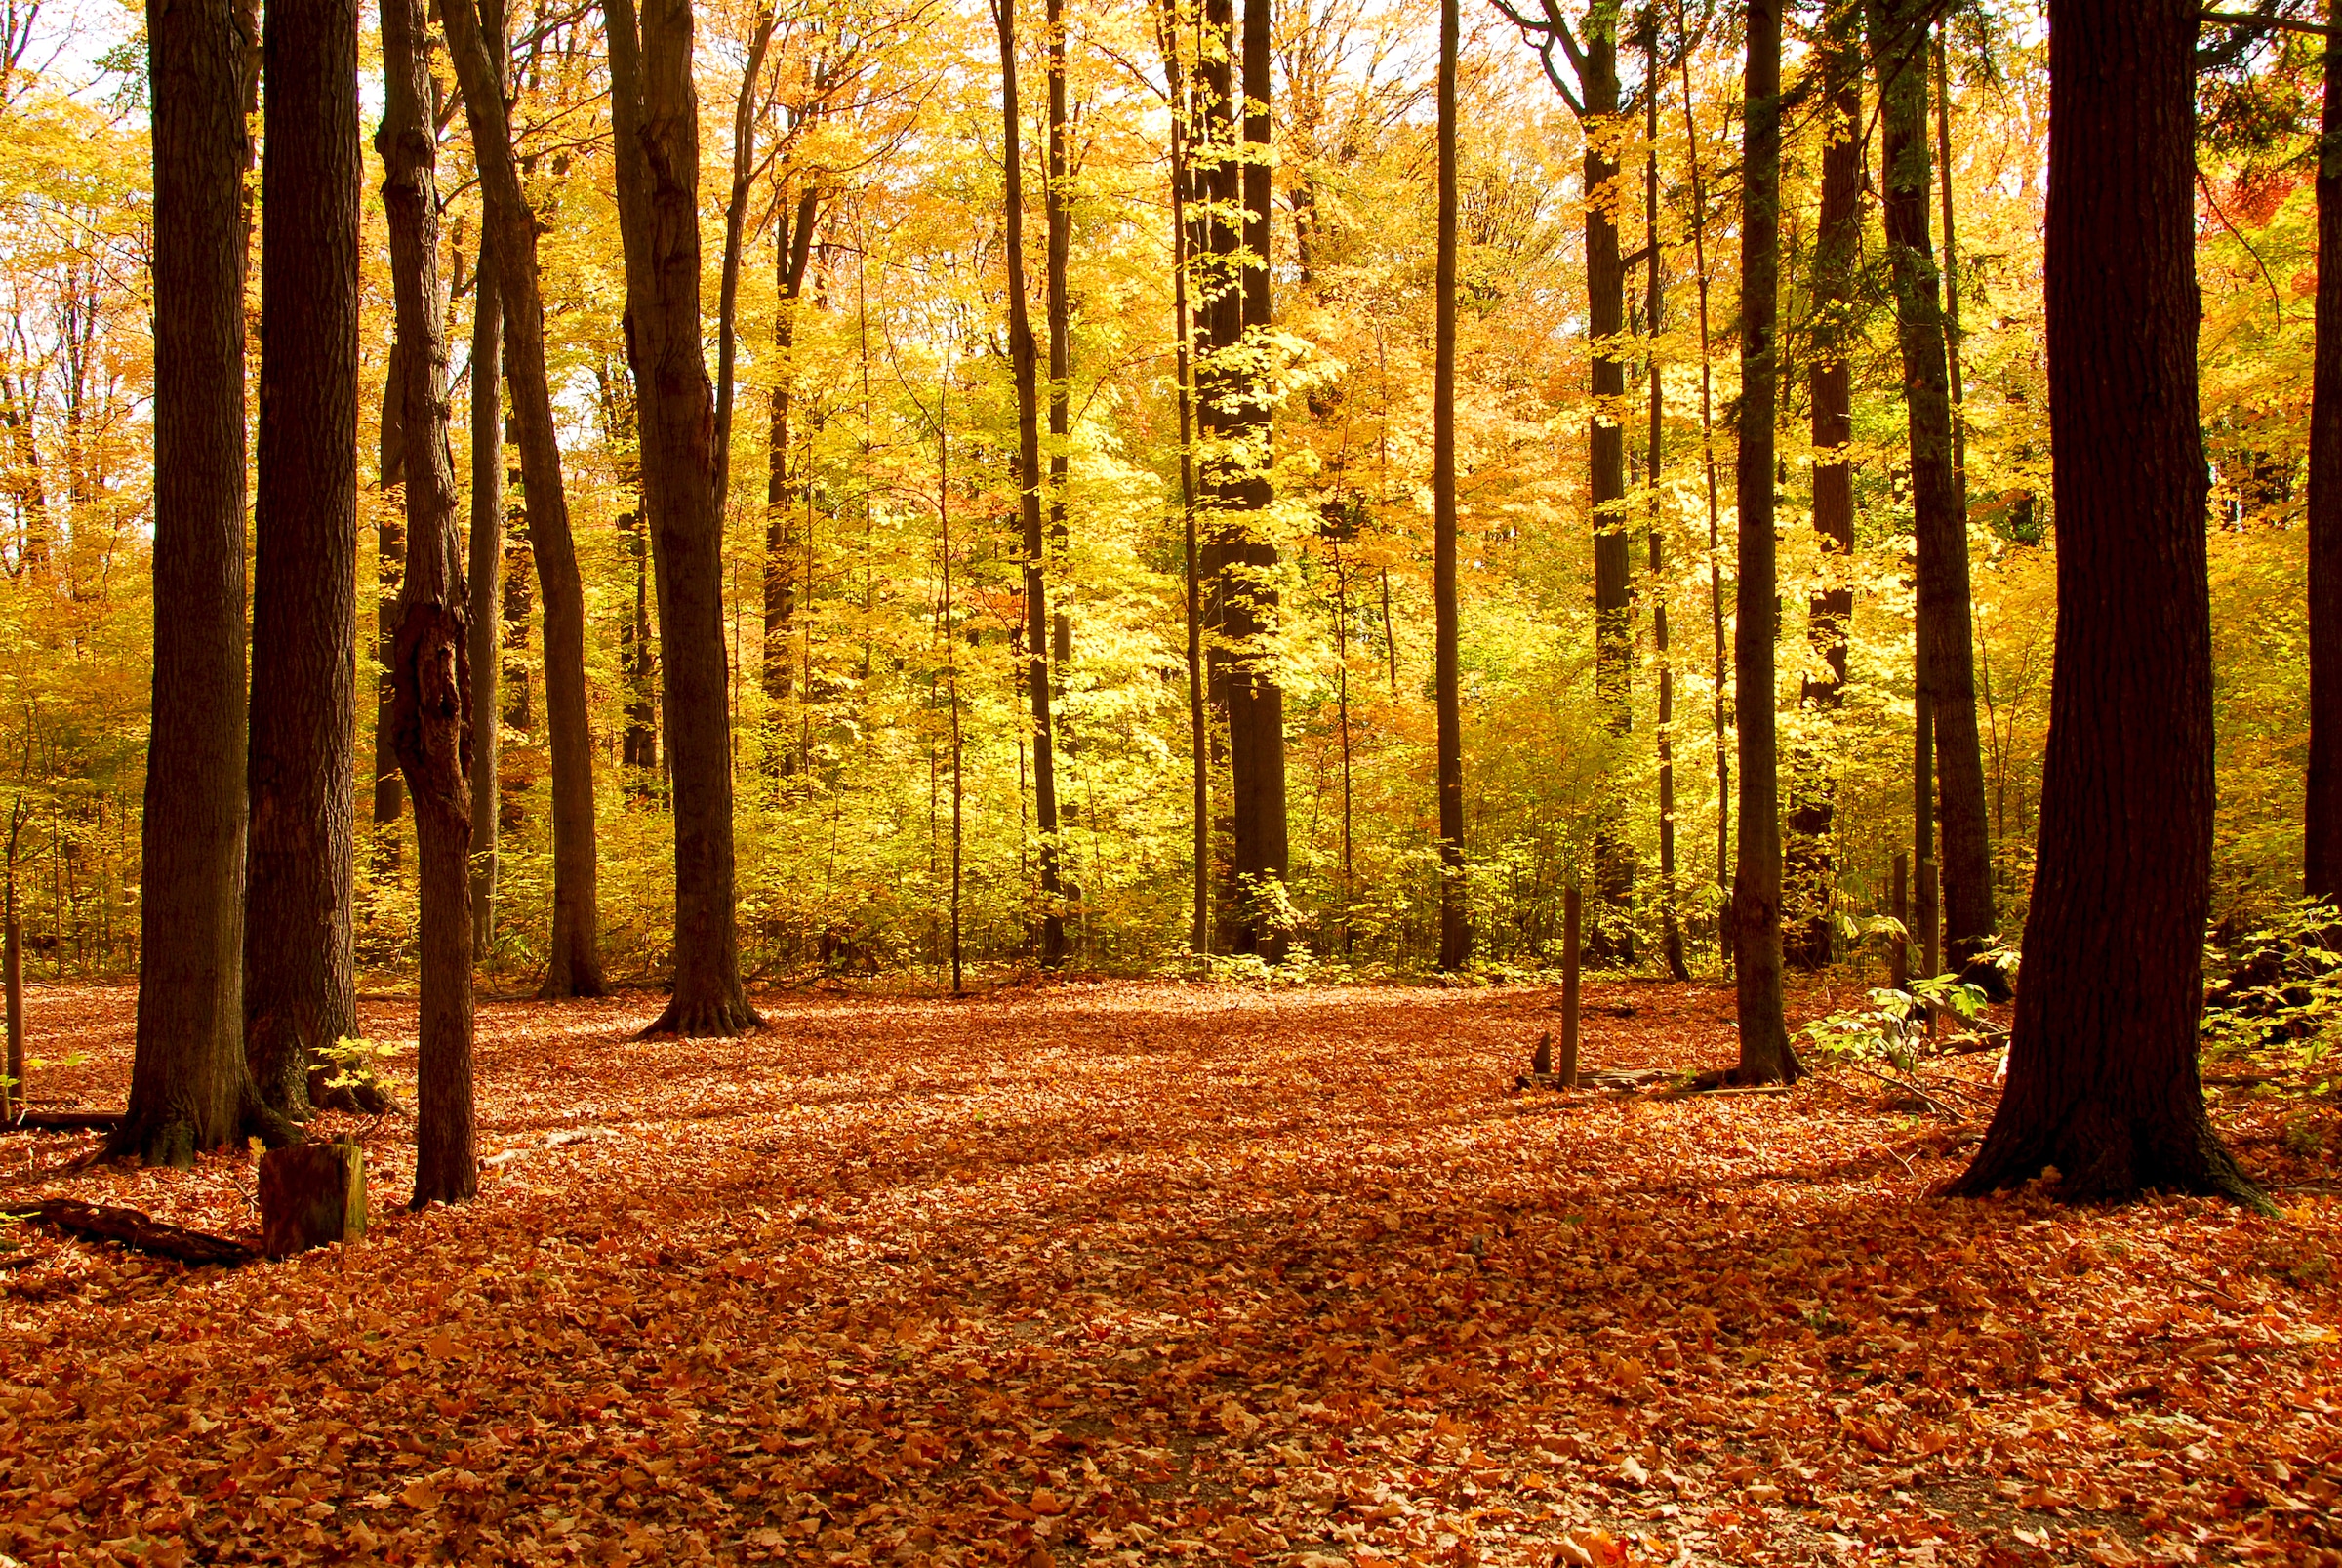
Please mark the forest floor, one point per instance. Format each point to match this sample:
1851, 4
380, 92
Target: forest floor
1142, 1272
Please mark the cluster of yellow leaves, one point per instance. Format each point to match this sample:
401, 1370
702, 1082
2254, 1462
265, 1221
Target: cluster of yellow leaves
1147, 1274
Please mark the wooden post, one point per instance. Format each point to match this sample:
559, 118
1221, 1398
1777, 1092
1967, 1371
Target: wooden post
1899, 963
1570, 905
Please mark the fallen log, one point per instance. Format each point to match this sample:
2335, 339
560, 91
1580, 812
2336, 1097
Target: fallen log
63, 1121
128, 1228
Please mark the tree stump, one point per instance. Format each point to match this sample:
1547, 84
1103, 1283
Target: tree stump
311, 1195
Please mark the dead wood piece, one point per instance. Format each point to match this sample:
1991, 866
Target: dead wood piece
141, 1232
311, 1195
63, 1121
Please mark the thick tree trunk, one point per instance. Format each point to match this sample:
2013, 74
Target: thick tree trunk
572, 955
299, 997
189, 1087
1811, 863
1613, 935
486, 550
1028, 497
2322, 818
1766, 1054
430, 653
1455, 930
1947, 670
655, 116
2102, 1075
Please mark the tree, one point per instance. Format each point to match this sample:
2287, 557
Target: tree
1946, 674
2101, 1076
1057, 206
189, 1087
2322, 816
573, 954
1766, 1054
1022, 357
654, 119
486, 540
1671, 929
1812, 870
430, 715
299, 996
1455, 931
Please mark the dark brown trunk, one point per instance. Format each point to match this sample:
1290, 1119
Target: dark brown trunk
573, 954
782, 548
189, 1087
1766, 1054
1022, 354
389, 560
1199, 926
1715, 580
1947, 670
2102, 1076
2322, 862
1058, 211
745, 109
638, 662
1455, 930
1670, 930
1811, 875
656, 119
430, 651
1612, 939
486, 550
299, 997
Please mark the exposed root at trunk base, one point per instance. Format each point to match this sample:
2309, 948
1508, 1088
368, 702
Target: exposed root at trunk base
366, 1098
713, 1020
2102, 1158
169, 1138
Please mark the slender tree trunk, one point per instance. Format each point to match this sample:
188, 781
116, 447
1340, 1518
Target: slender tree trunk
1947, 661
1830, 607
486, 547
656, 121
1058, 211
1455, 930
430, 666
736, 216
1715, 571
2321, 865
1670, 930
299, 996
1200, 933
389, 560
572, 955
2102, 1076
782, 550
1766, 1054
1028, 497
1613, 935
189, 1087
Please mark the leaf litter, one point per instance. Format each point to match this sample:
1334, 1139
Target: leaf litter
1150, 1272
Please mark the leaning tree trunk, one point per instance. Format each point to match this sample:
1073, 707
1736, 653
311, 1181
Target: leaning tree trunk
430, 714
2321, 860
1613, 938
1766, 1054
299, 996
1811, 863
1947, 670
190, 1089
655, 118
1455, 930
574, 955
2102, 1075
487, 553
1021, 355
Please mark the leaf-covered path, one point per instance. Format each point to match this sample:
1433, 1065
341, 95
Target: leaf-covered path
1151, 1272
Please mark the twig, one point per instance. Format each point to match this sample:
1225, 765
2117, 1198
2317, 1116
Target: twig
1941, 1106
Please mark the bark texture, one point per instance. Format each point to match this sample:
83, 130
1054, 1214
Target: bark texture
2101, 1076
2322, 818
655, 121
1612, 940
1455, 930
299, 997
430, 715
486, 551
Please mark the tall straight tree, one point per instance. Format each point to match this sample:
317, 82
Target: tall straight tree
784, 550
2321, 860
1455, 930
1946, 659
1812, 868
655, 118
573, 954
189, 1087
486, 545
430, 715
1766, 1054
1023, 357
1056, 207
300, 995
2101, 1076
1671, 929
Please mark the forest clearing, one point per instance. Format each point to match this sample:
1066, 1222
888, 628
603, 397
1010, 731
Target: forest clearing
1159, 1273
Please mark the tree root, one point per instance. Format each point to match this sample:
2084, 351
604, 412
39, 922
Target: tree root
2101, 1158
719, 1019
141, 1232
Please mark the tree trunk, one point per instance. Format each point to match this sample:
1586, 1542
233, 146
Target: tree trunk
1766, 1054
573, 957
1812, 871
430, 652
656, 121
1455, 930
487, 549
1613, 935
389, 560
1028, 497
299, 997
1947, 661
2322, 818
1200, 927
638, 662
2102, 1075
736, 215
189, 1087
792, 251
1058, 211
1671, 929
